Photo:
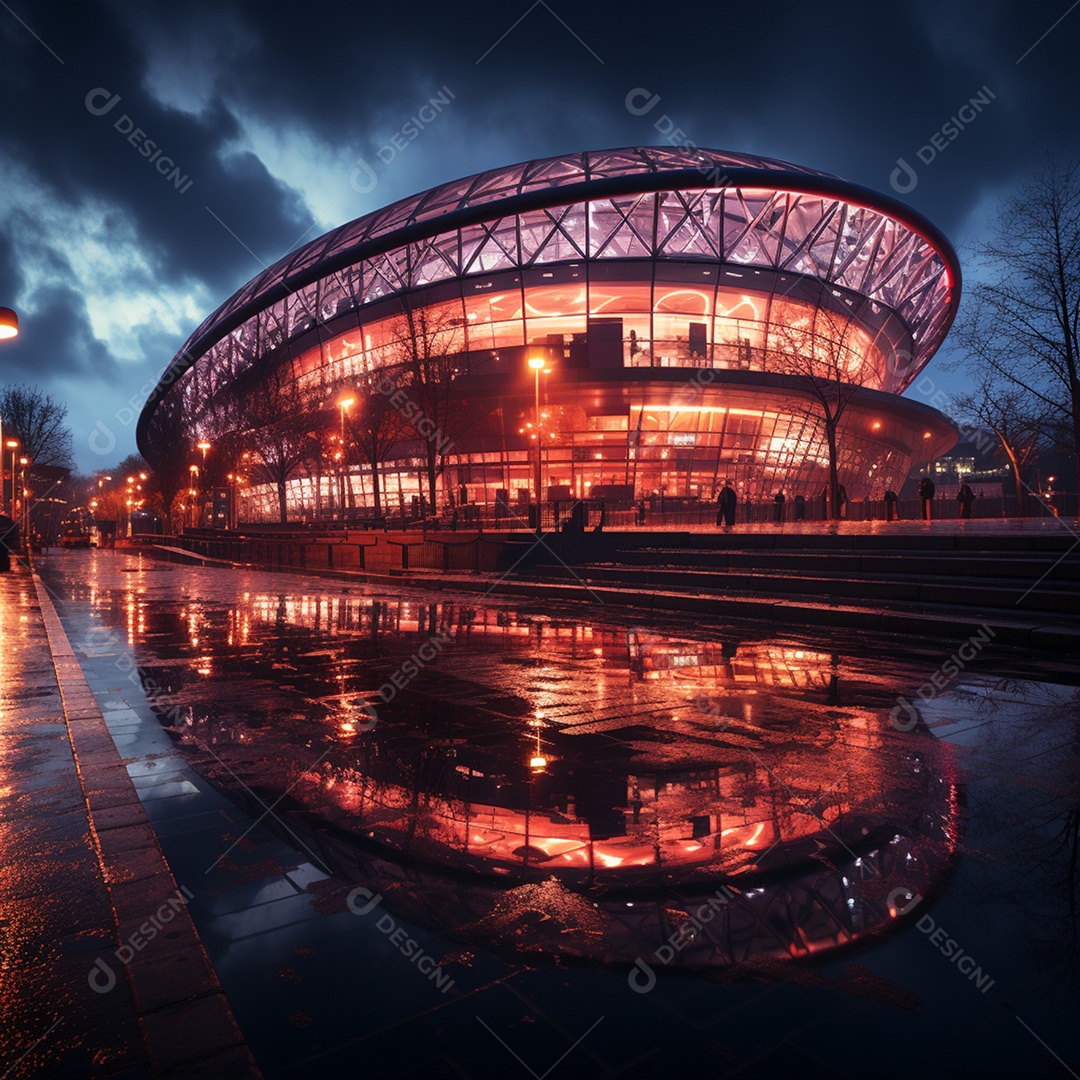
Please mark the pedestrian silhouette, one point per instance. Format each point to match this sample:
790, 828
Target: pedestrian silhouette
965, 497
926, 495
891, 512
726, 506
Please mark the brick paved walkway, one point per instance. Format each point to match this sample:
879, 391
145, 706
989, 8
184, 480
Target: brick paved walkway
101, 970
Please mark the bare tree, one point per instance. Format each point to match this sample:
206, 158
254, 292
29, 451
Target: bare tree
825, 359
38, 421
376, 426
171, 469
427, 364
1023, 317
278, 427
1001, 406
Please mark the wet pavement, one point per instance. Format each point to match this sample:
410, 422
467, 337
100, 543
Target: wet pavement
101, 971
433, 832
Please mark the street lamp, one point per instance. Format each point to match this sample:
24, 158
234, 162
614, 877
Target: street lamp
343, 404
9, 323
12, 445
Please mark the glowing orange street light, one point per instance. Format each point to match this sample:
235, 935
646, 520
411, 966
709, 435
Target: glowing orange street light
343, 404
12, 445
9, 323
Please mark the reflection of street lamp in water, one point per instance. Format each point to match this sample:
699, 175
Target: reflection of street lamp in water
537, 363
343, 404
194, 470
24, 509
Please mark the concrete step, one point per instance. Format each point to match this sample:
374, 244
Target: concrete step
1061, 599
1018, 565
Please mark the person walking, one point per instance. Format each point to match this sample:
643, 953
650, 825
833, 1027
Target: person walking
778, 507
800, 507
726, 502
926, 496
891, 512
965, 497
841, 499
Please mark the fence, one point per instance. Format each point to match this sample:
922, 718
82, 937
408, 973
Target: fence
658, 511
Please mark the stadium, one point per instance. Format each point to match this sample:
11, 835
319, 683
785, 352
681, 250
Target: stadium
623, 324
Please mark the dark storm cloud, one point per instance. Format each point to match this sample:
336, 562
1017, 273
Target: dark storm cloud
265, 108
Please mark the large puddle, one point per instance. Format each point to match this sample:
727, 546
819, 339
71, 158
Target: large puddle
569, 786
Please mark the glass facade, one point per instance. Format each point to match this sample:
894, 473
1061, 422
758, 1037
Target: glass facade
653, 309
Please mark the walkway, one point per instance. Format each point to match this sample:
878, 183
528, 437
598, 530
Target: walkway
103, 973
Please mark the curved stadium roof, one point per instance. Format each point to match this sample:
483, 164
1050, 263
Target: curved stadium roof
771, 214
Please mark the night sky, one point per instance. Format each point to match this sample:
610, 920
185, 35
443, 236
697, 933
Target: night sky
265, 108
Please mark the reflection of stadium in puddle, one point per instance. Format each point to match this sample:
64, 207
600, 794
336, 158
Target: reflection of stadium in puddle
550, 787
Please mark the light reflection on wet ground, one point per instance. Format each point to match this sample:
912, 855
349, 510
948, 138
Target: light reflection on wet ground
558, 783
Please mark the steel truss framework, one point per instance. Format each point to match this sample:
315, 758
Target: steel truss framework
642, 203
618, 226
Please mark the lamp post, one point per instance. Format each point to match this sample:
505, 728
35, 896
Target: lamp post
204, 446
537, 364
343, 404
9, 328
12, 445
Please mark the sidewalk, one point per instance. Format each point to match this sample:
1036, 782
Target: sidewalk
101, 970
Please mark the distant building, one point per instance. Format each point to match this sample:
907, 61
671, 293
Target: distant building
654, 283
